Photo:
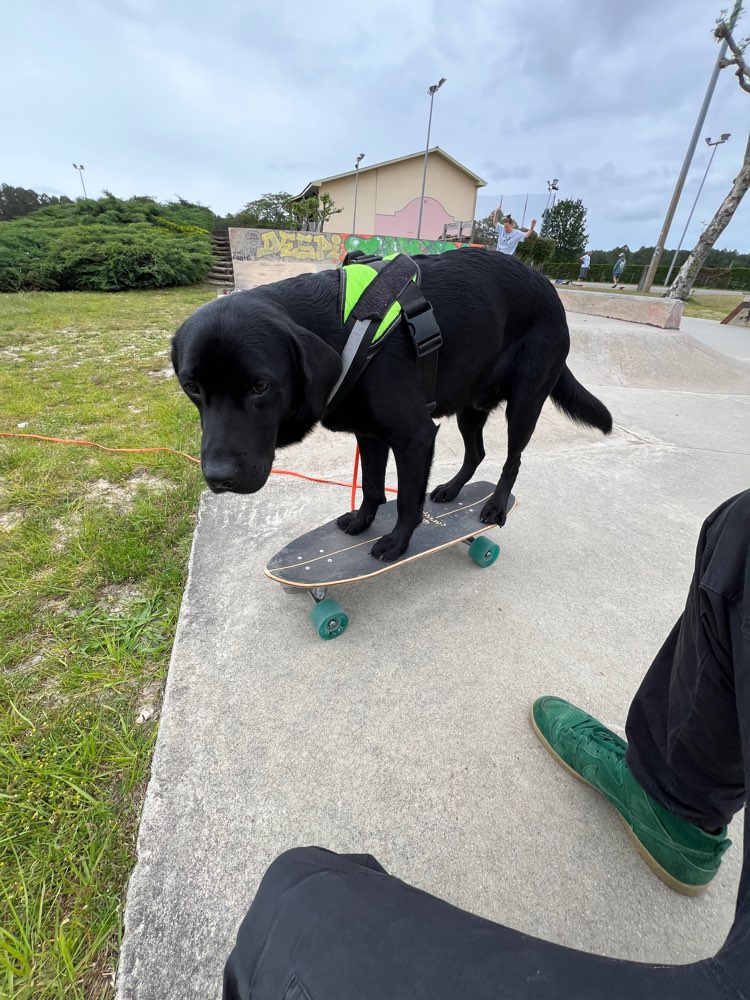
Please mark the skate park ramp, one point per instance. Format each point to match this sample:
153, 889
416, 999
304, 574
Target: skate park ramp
408, 736
647, 358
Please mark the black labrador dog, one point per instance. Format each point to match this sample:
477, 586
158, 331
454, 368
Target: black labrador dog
260, 364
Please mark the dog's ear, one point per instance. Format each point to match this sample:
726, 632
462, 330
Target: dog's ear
175, 356
319, 367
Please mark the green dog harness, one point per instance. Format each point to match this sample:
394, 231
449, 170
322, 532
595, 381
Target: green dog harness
376, 294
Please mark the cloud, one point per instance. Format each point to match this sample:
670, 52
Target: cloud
259, 98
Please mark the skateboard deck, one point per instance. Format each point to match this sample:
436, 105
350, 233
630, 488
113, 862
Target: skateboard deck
327, 556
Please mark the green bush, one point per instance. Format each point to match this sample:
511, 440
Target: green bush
183, 213
160, 220
101, 245
536, 249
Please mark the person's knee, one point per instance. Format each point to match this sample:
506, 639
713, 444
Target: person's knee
288, 867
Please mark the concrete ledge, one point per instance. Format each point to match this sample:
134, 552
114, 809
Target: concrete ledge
664, 313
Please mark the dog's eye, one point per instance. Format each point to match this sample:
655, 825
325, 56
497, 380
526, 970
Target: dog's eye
192, 388
259, 387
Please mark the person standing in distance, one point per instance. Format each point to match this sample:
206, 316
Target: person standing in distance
585, 265
618, 269
508, 237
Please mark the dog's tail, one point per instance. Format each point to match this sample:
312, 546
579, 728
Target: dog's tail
579, 404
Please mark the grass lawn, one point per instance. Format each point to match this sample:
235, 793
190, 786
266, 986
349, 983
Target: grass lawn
93, 556
712, 306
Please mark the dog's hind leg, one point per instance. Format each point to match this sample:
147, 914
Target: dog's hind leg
522, 413
471, 423
374, 455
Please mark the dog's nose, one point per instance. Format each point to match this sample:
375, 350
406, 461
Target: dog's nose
221, 479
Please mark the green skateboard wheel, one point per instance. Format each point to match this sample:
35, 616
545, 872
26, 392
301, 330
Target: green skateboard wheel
483, 551
329, 619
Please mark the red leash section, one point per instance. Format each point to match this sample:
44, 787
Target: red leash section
353, 485
354, 478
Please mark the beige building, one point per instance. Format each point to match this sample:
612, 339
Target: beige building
387, 196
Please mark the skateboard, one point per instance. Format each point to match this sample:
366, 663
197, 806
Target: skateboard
328, 557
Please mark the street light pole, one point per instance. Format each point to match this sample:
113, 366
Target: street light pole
431, 91
553, 185
356, 187
724, 137
647, 279
80, 168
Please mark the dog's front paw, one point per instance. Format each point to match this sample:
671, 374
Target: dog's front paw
493, 513
445, 493
389, 547
354, 523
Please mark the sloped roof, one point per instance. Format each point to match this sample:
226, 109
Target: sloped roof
386, 163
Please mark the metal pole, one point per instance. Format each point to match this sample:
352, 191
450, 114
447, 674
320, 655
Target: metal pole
648, 278
424, 172
356, 186
679, 245
80, 170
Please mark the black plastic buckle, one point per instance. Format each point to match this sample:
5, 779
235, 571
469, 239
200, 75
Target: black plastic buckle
359, 257
424, 330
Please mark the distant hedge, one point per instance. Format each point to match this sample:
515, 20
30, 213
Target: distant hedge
104, 245
735, 278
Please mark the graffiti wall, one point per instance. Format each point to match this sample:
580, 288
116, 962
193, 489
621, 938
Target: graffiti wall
260, 256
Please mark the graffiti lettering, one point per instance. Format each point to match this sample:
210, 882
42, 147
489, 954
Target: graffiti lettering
385, 245
299, 246
283, 245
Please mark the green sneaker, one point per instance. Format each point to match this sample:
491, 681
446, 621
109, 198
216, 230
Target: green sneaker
680, 853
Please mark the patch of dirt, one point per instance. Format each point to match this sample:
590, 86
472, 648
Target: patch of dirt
10, 520
25, 665
117, 597
151, 482
120, 497
64, 530
149, 703
53, 604
12, 353
163, 373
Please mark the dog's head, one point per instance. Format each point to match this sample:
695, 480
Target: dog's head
259, 380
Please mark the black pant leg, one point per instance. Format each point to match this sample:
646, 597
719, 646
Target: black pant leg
685, 727
325, 927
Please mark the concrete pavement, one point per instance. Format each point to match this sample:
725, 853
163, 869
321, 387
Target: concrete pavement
408, 736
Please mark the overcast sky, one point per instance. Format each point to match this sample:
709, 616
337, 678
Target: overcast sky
220, 102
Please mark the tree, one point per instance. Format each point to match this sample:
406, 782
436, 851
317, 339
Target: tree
279, 211
535, 250
16, 202
682, 286
270, 211
312, 213
484, 232
565, 223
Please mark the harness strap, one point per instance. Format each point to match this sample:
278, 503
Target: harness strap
426, 335
393, 282
353, 360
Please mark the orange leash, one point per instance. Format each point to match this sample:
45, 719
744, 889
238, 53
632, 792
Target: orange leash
93, 444
191, 458
354, 478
